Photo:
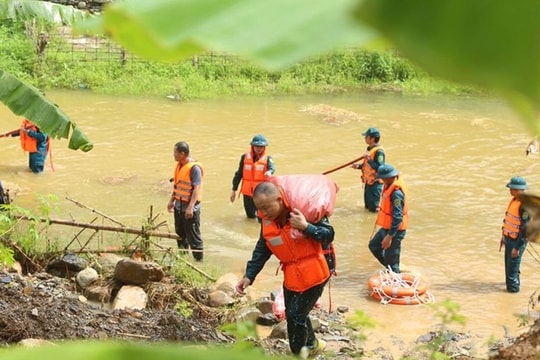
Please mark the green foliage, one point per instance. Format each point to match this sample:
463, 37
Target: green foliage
11, 234
46, 204
6, 255
30, 10
184, 308
130, 351
18, 55
361, 321
262, 31
27, 101
494, 46
447, 312
23, 229
353, 66
471, 42
214, 74
243, 333
22, 98
186, 273
6, 228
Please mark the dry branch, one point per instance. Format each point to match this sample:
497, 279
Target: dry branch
122, 229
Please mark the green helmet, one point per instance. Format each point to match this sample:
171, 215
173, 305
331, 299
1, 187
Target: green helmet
386, 171
259, 140
517, 182
372, 131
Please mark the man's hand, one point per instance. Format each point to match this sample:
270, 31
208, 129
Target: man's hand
241, 285
233, 196
387, 242
298, 220
189, 212
515, 253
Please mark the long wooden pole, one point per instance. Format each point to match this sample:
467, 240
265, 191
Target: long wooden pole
9, 133
93, 210
344, 165
122, 229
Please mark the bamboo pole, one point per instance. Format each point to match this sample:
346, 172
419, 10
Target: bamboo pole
342, 166
9, 133
122, 229
93, 210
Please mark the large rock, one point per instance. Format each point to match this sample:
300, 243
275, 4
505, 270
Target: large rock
248, 314
98, 293
279, 330
226, 283
265, 306
106, 262
131, 272
86, 277
219, 298
130, 297
67, 266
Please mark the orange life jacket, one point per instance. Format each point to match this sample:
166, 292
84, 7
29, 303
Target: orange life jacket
183, 190
369, 174
253, 172
384, 216
302, 258
512, 219
28, 143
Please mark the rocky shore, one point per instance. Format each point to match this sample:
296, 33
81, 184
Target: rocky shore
137, 301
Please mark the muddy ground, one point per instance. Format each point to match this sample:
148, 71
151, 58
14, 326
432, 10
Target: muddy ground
42, 306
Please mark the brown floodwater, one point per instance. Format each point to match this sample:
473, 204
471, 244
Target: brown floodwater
455, 155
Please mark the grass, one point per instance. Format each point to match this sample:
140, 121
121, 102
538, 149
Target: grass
99, 65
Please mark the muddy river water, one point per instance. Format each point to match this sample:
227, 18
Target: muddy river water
455, 155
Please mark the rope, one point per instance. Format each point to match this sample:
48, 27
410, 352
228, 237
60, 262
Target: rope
329, 295
49, 150
534, 255
388, 278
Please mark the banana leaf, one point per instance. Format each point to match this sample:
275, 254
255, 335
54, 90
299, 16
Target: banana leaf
31, 9
27, 101
273, 33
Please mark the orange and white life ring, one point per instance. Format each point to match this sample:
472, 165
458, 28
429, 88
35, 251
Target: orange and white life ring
405, 300
414, 287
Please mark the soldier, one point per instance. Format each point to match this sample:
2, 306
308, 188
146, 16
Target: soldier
513, 236
372, 160
255, 166
392, 218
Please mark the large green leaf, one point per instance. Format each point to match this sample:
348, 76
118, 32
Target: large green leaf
273, 33
129, 351
494, 44
25, 100
46, 11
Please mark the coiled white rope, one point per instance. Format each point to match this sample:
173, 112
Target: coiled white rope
389, 279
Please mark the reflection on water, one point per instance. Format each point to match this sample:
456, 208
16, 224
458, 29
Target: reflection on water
455, 155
